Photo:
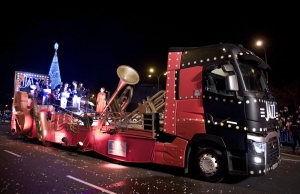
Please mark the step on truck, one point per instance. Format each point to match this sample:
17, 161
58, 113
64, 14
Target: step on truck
216, 116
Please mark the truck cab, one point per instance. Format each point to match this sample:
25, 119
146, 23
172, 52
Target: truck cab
224, 108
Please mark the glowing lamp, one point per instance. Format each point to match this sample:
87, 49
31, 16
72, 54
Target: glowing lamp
257, 160
79, 145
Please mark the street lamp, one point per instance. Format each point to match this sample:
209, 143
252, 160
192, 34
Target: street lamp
157, 76
260, 43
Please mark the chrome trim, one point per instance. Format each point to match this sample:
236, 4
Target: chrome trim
263, 139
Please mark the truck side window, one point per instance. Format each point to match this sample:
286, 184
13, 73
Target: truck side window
211, 86
215, 81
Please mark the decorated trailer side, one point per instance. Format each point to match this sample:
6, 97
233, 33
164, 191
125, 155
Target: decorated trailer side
216, 117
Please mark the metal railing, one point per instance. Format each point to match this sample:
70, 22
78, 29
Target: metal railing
285, 137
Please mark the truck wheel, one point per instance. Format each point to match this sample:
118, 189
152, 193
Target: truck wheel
209, 165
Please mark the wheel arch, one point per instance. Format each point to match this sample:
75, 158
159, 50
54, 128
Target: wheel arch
209, 140
204, 141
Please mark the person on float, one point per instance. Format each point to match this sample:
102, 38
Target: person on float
46, 93
65, 94
101, 100
76, 98
81, 93
58, 90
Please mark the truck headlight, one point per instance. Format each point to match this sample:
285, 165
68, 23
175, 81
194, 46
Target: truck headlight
259, 147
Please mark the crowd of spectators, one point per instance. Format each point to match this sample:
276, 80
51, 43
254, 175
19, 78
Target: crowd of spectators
290, 123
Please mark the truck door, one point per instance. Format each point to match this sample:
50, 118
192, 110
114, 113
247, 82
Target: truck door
219, 104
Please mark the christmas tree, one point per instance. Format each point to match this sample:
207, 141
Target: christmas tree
54, 72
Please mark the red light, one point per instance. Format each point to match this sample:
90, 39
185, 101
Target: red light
113, 166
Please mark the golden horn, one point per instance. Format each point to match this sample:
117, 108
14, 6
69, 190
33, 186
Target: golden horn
127, 75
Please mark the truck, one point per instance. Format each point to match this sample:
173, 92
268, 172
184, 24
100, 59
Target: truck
215, 118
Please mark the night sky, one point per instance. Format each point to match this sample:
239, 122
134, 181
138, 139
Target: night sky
94, 40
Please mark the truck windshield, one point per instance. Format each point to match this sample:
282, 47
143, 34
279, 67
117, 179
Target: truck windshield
253, 76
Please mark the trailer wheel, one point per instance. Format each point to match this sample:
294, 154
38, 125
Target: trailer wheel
209, 165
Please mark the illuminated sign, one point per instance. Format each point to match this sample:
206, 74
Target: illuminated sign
117, 148
269, 112
29, 80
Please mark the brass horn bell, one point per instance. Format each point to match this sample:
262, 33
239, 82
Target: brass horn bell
127, 75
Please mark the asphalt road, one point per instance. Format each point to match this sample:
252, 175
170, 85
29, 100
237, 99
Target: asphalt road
28, 167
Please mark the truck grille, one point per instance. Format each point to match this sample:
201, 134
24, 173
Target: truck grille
272, 151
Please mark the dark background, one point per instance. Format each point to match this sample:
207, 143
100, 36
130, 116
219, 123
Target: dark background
94, 39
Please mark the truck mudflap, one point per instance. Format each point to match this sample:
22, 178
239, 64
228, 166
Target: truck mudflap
263, 153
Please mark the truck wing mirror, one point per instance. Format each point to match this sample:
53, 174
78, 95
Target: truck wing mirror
227, 68
231, 83
230, 80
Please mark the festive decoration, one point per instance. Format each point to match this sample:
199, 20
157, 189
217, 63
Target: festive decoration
54, 72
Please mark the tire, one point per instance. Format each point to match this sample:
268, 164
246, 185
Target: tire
209, 165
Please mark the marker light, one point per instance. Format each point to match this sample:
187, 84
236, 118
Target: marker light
79, 145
